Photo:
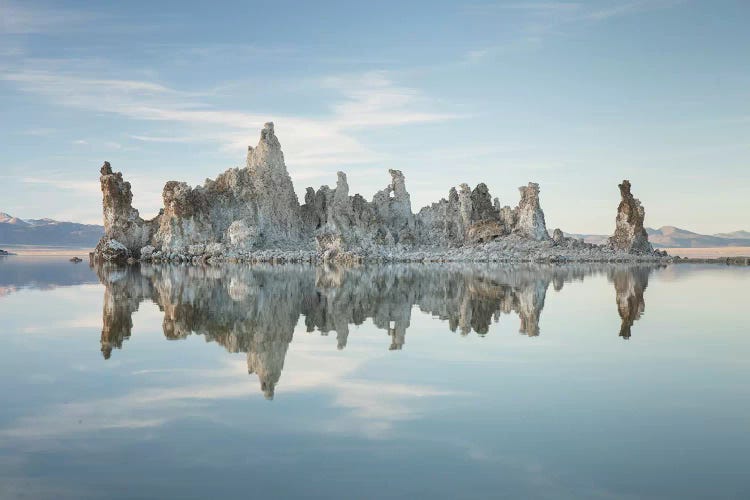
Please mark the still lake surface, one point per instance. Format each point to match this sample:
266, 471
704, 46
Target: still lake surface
398, 381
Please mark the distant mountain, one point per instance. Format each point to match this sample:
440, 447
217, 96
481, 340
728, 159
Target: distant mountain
9, 219
736, 234
47, 232
596, 239
674, 237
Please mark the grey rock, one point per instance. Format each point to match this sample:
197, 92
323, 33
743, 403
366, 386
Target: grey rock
252, 214
147, 252
111, 250
630, 235
530, 221
558, 237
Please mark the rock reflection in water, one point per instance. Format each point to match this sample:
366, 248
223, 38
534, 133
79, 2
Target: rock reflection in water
255, 309
630, 283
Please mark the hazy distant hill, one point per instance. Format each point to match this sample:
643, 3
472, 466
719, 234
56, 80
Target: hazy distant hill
674, 237
597, 239
669, 236
47, 232
736, 234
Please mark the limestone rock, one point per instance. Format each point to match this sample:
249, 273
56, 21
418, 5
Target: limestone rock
121, 221
453, 222
530, 217
392, 206
630, 235
147, 252
482, 207
330, 244
214, 249
197, 249
112, 250
484, 231
253, 213
278, 208
558, 237
241, 236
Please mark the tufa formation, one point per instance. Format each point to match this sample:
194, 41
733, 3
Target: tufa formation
630, 235
253, 213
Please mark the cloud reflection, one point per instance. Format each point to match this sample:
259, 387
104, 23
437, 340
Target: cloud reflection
255, 309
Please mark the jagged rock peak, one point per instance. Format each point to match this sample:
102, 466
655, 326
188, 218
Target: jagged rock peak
630, 235
267, 132
255, 209
482, 208
122, 222
529, 195
267, 154
530, 222
398, 184
278, 207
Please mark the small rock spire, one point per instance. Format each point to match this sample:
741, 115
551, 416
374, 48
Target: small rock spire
630, 235
530, 221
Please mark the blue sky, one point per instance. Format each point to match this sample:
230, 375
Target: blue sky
574, 95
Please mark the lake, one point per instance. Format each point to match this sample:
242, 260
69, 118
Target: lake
394, 381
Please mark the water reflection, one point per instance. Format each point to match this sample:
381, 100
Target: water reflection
630, 283
255, 309
41, 273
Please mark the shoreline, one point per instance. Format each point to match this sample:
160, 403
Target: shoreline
46, 250
708, 252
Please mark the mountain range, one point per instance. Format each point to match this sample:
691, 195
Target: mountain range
47, 232
675, 237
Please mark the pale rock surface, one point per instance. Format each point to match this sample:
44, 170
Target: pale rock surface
121, 221
147, 252
112, 250
530, 222
558, 237
630, 235
241, 236
278, 208
484, 231
253, 214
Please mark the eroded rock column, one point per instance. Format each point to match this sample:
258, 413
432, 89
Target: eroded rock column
630, 235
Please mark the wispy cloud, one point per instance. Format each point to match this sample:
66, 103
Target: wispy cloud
543, 6
58, 183
40, 131
627, 8
372, 99
163, 139
20, 19
540, 20
105, 145
365, 101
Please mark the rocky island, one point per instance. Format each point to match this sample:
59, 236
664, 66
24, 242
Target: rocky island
253, 214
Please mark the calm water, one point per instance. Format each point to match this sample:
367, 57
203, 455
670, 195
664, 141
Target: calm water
453, 381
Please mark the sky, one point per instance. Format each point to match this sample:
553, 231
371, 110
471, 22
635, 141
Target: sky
574, 95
